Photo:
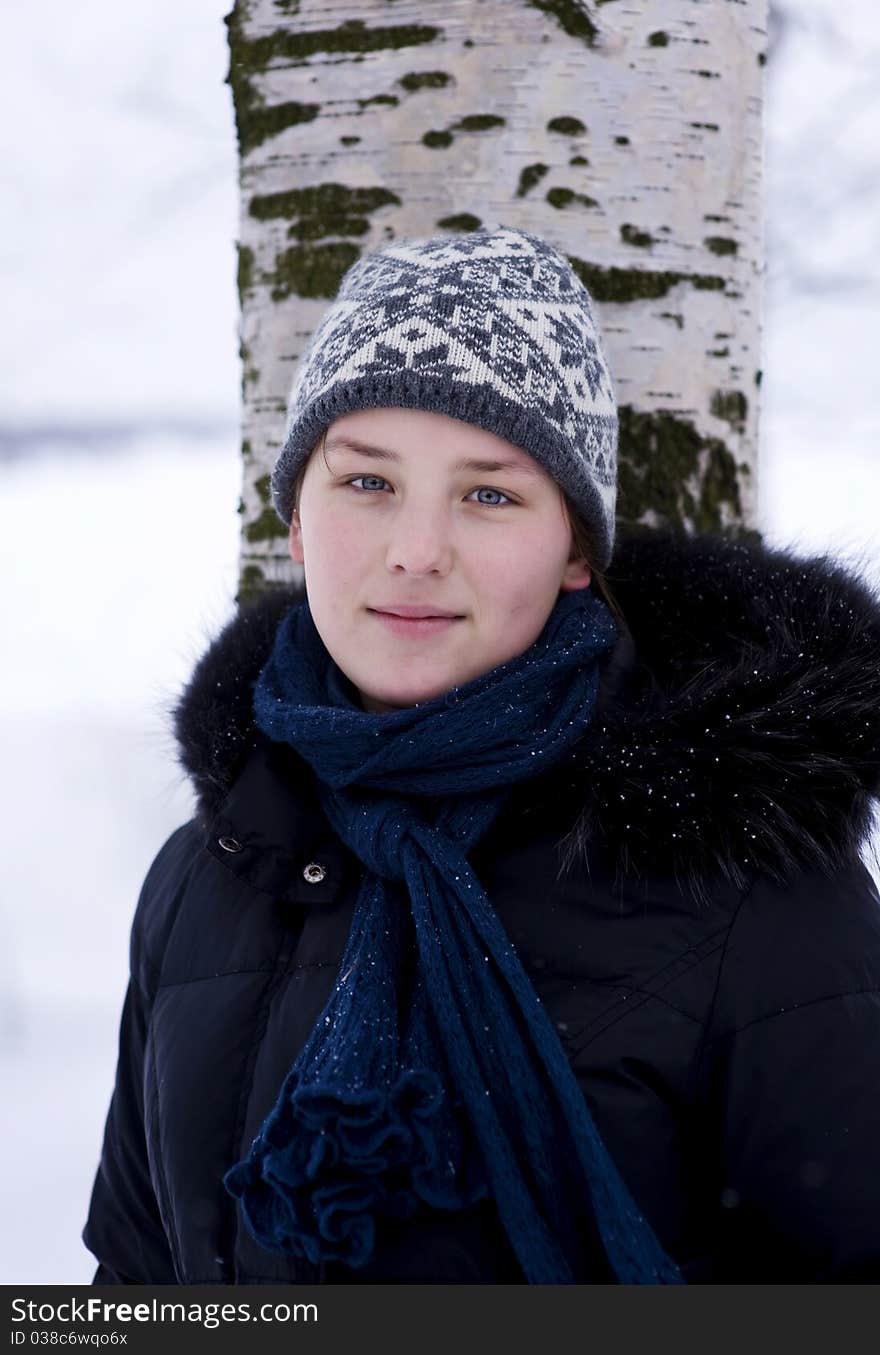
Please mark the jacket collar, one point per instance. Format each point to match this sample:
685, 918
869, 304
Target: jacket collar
737, 729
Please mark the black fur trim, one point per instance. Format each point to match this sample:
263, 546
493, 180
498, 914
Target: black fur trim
213, 721
745, 738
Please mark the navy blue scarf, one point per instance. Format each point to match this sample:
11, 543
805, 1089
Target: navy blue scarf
434, 1075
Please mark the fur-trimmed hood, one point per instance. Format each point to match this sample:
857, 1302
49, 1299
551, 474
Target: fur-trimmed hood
738, 727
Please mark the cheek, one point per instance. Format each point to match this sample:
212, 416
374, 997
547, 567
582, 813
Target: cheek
330, 547
525, 573
513, 603
331, 577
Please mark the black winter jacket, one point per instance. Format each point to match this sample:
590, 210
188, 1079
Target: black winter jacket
686, 893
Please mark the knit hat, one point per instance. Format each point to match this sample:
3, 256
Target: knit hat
494, 328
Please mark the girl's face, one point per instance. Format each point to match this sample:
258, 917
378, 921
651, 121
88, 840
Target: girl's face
421, 512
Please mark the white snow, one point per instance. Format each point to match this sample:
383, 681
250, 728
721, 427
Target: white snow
137, 568
118, 258
119, 561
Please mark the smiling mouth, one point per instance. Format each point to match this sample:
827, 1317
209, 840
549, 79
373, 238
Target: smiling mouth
416, 615
414, 625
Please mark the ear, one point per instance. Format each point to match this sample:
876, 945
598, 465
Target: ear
294, 540
577, 575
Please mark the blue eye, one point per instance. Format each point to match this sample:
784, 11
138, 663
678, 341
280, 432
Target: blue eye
368, 477
486, 489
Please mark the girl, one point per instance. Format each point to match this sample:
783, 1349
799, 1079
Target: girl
522, 934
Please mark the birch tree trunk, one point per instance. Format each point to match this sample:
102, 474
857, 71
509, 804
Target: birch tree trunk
628, 135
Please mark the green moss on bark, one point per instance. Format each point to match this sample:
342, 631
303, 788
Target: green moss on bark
720, 244
251, 57
708, 282
464, 221
561, 198
636, 284
570, 16
416, 80
731, 406
478, 122
312, 271
322, 201
267, 527
631, 235
531, 175
252, 584
245, 277
314, 228
353, 36
440, 138
566, 126
263, 123
328, 209
668, 468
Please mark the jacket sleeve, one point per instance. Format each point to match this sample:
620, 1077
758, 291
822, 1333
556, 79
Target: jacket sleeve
794, 1060
124, 1229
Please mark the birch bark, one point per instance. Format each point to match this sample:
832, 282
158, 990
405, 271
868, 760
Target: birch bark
627, 134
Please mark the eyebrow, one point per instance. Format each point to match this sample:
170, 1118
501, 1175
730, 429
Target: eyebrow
466, 464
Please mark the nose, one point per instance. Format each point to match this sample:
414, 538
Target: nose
420, 541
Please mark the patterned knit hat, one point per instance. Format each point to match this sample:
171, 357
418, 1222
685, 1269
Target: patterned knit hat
493, 328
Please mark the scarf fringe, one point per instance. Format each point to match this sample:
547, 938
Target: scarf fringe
330, 1162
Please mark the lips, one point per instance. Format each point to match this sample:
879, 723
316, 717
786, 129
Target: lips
414, 613
425, 625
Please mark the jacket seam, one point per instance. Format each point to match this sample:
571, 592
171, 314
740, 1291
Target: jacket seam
260, 1027
646, 994
725, 946
700, 1069
581, 1040
689, 957
603, 1021
162, 1183
233, 973
795, 1007
154, 970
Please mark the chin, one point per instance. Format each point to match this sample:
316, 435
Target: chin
403, 698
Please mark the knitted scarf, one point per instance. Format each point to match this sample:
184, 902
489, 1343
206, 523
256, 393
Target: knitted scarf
434, 1075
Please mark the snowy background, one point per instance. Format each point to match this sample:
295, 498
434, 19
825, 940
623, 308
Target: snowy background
119, 479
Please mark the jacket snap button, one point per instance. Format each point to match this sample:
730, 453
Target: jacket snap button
314, 873
229, 844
